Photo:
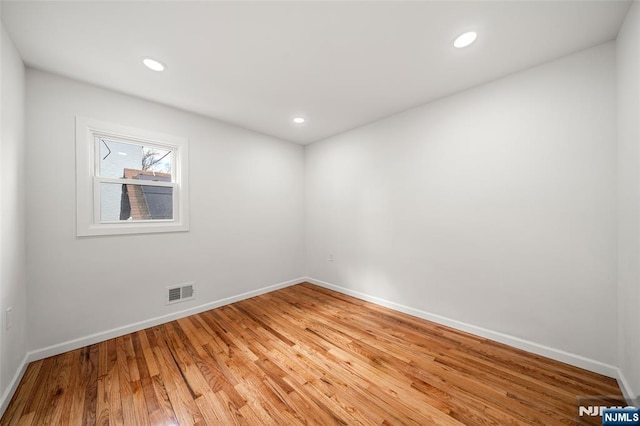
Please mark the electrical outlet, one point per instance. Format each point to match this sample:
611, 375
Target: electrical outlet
9, 318
330, 258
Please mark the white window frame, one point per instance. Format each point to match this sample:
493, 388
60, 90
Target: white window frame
88, 221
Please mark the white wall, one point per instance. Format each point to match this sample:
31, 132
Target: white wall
628, 56
495, 207
245, 215
13, 286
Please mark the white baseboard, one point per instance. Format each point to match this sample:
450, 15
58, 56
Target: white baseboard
132, 328
516, 342
120, 331
632, 398
557, 354
13, 386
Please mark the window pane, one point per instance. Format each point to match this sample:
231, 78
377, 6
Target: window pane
135, 202
116, 156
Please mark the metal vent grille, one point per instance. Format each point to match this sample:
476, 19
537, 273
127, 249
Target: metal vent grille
180, 293
174, 294
187, 291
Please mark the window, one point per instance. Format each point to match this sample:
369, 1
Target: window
128, 180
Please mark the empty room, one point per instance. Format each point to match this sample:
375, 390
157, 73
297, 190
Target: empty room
320, 212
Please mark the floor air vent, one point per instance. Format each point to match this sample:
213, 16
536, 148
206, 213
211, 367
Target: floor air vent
180, 293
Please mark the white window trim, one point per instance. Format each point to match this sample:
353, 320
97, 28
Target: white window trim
87, 182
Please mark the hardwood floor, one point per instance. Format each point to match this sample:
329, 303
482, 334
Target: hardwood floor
303, 354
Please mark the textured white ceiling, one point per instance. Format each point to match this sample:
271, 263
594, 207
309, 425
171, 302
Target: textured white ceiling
341, 64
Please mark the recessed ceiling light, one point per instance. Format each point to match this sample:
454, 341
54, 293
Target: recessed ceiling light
299, 120
154, 65
465, 39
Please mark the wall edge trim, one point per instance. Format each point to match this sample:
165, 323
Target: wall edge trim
13, 385
516, 342
91, 339
631, 398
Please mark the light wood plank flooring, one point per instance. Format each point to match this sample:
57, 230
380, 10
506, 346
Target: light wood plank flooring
303, 354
